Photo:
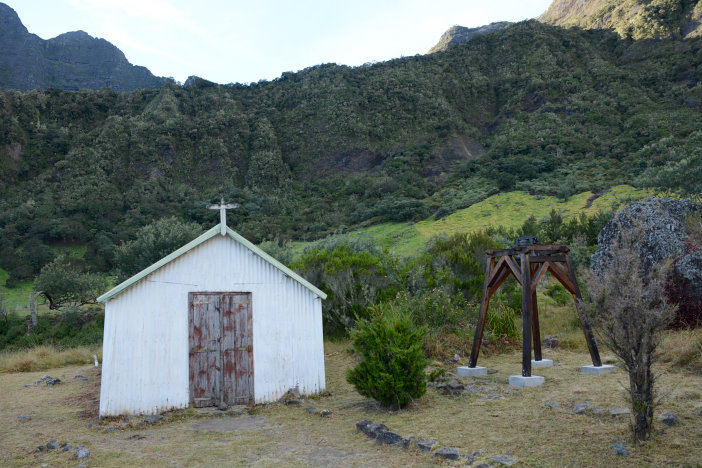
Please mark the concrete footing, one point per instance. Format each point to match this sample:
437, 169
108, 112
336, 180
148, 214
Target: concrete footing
521, 381
465, 371
603, 369
542, 363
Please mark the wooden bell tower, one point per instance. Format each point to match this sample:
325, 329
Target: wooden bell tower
529, 261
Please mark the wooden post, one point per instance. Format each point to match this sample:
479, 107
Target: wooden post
535, 327
587, 329
526, 314
482, 316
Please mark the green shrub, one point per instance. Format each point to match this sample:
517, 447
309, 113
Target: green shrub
501, 321
392, 366
559, 294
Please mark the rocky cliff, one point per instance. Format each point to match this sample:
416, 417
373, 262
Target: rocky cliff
638, 19
70, 61
459, 34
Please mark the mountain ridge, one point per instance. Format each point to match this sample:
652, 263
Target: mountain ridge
71, 61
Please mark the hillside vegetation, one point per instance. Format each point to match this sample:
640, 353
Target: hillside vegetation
638, 19
532, 107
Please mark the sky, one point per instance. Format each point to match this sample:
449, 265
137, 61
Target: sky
243, 42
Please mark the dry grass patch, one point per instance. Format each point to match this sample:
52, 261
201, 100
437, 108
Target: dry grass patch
47, 357
493, 417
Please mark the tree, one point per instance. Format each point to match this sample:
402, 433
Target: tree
630, 309
153, 242
64, 283
392, 369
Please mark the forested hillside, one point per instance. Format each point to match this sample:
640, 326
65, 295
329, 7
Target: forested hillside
532, 107
638, 19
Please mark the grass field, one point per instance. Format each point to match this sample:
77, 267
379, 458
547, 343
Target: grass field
492, 417
509, 210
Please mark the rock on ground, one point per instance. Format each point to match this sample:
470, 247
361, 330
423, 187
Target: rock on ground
580, 408
669, 418
504, 460
448, 453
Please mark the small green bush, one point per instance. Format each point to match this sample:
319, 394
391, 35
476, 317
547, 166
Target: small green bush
559, 294
393, 363
501, 321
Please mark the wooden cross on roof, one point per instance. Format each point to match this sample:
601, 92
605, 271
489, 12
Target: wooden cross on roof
223, 214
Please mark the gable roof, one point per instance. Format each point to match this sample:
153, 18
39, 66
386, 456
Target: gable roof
194, 243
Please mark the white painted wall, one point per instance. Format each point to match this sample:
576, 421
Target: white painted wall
145, 344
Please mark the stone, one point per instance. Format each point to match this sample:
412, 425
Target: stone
505, 460
542, 363
389, 438
619, 412
449, 453
620, 450
375, 429
325, 412
456, 358
664, 224
52, 445
596, 370
153, 418
425, 445
550, 342
361, 425
80, 377
580, 408
41, 448
51, 382
552, 404
222, 407
82, 453
465, 371
521, 381
294, 392
598, 410
455, 384
24, 417
292, 402
669, 418
407, 441
311, 409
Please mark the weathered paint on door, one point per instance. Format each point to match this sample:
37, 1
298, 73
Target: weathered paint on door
221, 353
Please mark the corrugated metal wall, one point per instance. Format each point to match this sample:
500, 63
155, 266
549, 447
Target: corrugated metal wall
145, 345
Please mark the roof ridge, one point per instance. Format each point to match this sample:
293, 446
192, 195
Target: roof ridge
200, 240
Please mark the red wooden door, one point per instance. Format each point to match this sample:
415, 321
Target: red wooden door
237, 349
221, 353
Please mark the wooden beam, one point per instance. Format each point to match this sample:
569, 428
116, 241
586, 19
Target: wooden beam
543, 268
496, 270
535, 324
547, 258
516, 269
499, 280
562, 276
482, 316
526, 315
587, 329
